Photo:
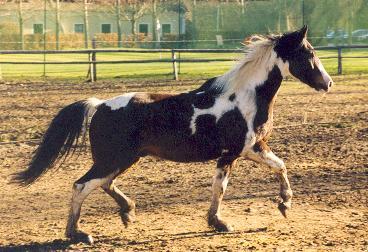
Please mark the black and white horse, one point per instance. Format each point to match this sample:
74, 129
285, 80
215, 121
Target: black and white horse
228, 117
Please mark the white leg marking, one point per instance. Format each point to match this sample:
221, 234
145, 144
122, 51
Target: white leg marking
274, 162
120, 101
268, 158
219, 185
80, 193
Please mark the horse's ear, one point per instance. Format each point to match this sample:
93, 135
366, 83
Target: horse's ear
303, 31
296, 38
291, 41
300, 35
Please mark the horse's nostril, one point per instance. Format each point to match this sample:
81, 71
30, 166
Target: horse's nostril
330, 84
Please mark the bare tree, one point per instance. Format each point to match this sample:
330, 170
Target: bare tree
133, 11
57, 24
118, 22
20, 22
86, 26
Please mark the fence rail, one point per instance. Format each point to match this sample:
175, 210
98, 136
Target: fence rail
92, 55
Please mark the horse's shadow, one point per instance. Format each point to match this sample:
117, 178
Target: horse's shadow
189, 235
57, 244
60, 244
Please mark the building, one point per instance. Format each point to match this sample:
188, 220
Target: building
88, 20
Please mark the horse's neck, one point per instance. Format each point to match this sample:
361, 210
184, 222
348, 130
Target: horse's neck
259, 98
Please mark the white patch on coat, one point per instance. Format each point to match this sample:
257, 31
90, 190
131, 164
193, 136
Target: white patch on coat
119, 101
326, 77
243, 80
283, 66
253, 69
94, 101
221, 106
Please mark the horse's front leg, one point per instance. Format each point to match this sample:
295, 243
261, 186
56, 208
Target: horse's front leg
261, 153
220, 180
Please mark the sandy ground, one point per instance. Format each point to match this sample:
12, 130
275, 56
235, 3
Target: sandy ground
322, 139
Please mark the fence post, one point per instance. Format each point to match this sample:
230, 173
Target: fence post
175, 67
93, 65
339, 61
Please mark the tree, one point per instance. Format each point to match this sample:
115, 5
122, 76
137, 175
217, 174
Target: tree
118, 22
132, 11
57, 24
86, 26
20, 22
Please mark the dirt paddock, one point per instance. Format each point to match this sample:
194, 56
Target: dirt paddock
323, 140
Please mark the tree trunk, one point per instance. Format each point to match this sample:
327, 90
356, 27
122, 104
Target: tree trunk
133, 23
86, 28
57, 24
154, 23
118, 23
20, 22
350, 22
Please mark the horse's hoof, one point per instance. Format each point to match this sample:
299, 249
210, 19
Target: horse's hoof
220, 225
283, 207
127, 217
80, 236
223, 227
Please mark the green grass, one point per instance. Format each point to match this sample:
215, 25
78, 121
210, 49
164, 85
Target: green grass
152, 70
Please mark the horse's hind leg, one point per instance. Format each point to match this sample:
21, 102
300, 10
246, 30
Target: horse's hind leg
219, 185
127, 206
81, 189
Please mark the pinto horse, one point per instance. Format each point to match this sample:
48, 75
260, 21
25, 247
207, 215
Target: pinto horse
228, 117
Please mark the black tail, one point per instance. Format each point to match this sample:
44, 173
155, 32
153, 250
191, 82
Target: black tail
63, 132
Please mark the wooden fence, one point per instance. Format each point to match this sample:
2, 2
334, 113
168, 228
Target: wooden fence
93, 62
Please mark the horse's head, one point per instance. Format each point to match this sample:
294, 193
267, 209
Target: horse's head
294, 49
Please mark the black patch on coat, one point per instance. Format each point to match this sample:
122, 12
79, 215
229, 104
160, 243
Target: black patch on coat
207, 86
232, 97
204, 100
261, 146
233, 129
288, 45
264, 96
226, 161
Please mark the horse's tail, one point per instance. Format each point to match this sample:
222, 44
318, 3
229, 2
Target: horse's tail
58, 140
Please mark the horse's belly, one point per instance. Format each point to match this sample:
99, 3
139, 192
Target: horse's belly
184, 151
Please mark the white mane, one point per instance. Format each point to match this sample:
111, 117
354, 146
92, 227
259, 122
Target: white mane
258, 61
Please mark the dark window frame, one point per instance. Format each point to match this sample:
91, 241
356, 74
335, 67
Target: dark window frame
38, 28
163, 30
78, 31
106, 25
147, 28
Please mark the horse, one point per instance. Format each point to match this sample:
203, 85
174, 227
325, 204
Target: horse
228, 117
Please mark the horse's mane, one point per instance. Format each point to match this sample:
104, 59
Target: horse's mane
258, 60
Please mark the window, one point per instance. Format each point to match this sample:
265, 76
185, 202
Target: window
143, 28
78, 28
166, 28
106, 28
37, 28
